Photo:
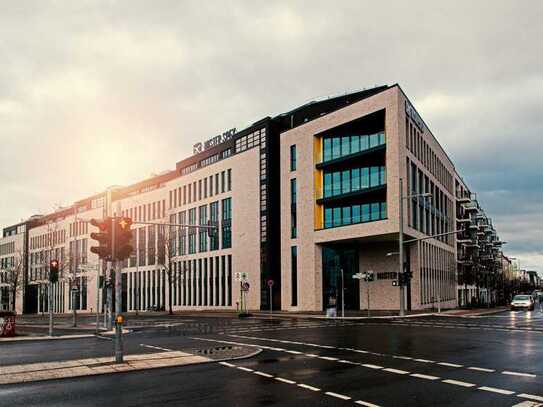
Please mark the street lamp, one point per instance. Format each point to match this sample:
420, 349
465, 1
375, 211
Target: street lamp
401, 242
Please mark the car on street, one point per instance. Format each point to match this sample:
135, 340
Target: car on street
522, 301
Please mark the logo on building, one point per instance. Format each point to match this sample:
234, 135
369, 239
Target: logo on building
412, 113
215, 141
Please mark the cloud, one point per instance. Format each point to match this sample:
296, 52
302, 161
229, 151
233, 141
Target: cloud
128, 87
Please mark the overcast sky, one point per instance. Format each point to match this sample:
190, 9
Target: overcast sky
127, 87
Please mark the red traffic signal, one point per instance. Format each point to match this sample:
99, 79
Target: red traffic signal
123, 238
103, 237
53, 271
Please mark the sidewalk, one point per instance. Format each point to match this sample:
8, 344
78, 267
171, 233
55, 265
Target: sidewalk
474, 311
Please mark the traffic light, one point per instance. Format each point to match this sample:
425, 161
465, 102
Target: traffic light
53, 271
123, 238
103, 237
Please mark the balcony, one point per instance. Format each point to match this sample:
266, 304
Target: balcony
471, 206
378, 152
364, 194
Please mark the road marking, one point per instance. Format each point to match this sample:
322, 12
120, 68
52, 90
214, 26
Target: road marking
481, 369
424, 376
226, 364
348, 362
311, 355
458, 383
245, 369
308, 387
285, 380
424, 360
269, 376
365, 403
336, 395
495, 390
528, 404
530, 396
372, 366
397, 371
294, 352
328, 358
518, 374
156, 347
449, 364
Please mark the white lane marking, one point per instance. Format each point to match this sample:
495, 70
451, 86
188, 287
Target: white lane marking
372, 366
336, 395
263, 374
424, 360
495, 390
245, 369
308, 387
449, 364
528, 403
277, 349
365, 403
294, 352
424, 376
285, 380
328, 358
397, 371
458, 383
481, 369
403, 357
348, 362
156, 347
226, 364
530, 396
311, 355
518, 374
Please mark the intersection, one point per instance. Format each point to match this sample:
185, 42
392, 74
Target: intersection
490, 360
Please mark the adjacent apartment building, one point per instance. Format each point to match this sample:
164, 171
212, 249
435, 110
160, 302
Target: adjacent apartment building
307, 199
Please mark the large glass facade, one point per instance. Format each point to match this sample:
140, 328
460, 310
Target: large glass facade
352, 214
353, 180
341, 146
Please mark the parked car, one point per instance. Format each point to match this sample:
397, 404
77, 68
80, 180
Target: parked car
522, 301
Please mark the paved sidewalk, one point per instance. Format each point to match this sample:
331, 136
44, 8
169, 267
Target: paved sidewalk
473, 312
95, 366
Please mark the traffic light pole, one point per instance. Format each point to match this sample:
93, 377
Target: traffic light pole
118, 298
50, 306
400, 241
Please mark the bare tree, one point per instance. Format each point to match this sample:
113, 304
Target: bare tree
167, 244
12, 277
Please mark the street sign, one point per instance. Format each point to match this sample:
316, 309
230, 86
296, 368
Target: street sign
245, 286
237, 276
358, 276
270, 283
244, 276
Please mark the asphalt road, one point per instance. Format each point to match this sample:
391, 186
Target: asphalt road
496, 360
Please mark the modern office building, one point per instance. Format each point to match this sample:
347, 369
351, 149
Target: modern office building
308, 199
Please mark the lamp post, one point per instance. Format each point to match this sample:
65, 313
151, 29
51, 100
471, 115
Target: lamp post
401, 243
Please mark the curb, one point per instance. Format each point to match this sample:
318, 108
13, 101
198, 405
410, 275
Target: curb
45, 338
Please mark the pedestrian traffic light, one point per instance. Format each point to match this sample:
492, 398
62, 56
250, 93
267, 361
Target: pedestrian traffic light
53, 271
123, 238
103, 237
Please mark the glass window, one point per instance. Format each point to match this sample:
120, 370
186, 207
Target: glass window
382, 138
327, 184
336, 183
345, 146
355, 144
346, 215
294, 275
336, 147
356, 214
374, 140
327, 149
346, 182
328, 218
293, 157
383, 210
365, 213
374, 176
364, 178
337, 217
382, 175
364, 143
355, 179
375, 211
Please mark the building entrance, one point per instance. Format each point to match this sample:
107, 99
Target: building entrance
334, 260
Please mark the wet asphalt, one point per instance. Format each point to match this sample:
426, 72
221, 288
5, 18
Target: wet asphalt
495, 360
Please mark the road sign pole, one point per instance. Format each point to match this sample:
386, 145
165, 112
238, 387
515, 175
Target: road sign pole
368, 284
342, 295
271, 300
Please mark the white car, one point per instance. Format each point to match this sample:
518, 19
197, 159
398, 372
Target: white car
522, 301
